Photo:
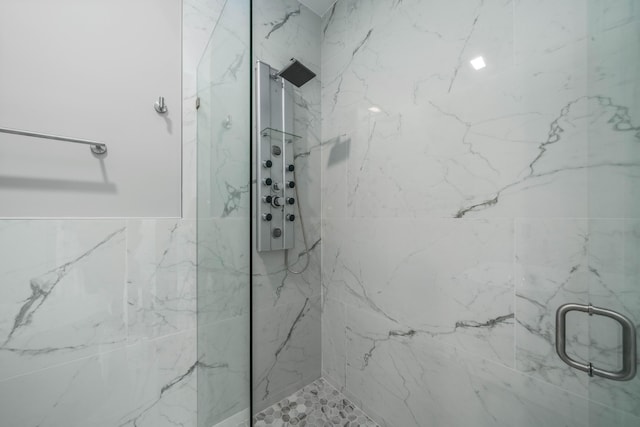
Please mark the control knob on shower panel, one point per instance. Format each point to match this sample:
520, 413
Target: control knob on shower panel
291, 184
267, 199
267, 181
267, 163
291, 168
267, 216
291, 200
276, 202
291, 217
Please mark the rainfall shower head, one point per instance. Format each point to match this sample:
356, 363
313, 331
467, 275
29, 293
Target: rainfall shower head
296, 73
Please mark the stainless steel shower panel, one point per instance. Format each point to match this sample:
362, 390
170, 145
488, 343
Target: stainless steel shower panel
275, 198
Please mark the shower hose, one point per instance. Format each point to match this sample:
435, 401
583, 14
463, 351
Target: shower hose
304, 235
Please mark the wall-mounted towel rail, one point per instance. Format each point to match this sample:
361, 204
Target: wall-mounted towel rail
96, 147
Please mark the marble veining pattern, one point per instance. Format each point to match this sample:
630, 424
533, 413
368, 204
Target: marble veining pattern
461, 207
62, 292
286, 306
317, 404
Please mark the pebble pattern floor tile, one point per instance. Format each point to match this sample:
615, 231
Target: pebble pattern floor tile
318, 404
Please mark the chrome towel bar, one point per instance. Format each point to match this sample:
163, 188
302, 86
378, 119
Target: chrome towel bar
96, 147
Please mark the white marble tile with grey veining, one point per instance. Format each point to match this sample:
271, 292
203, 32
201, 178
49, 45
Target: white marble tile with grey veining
287, 305
448, 280
151, 383
223, 269
161, 277
275, 284
552, 268
286, 350
223, 370
223, 89
286, 29
614, 250
547, 129
334, 350
404, 380
63, 291
447, 140
580, 261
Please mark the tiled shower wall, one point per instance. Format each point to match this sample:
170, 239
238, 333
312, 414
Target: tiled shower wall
98, 317
461, 207
286, 306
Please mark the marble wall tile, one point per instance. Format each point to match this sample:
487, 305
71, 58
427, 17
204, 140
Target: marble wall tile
580, 261
614, 250
600, 415
285, 29
199, 18
533, 39
448, 280
334, 351
552, 268
407, 381
223, 88
273, 284
62, 293
286, 306
613, 184
535, 168
223, 269
286, 345
161, 277
544, 137
223, 369
151, 383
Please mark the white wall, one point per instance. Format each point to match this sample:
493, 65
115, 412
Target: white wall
115, 342
90, 69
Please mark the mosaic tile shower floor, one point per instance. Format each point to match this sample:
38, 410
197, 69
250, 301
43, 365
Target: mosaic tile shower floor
318, 404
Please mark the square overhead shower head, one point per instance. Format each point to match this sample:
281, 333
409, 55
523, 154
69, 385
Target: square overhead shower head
296, 73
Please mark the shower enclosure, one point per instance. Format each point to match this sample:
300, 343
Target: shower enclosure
468, 168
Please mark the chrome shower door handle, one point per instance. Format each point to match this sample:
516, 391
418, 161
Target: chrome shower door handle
628, 370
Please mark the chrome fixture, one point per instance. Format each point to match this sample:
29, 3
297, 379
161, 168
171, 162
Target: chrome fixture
160, 106
274, 157
96, 147
276, 160
628, 370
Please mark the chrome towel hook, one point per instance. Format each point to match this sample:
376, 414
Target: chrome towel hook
160, 106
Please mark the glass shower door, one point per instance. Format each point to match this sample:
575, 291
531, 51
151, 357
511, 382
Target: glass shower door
223, 156
613, 111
